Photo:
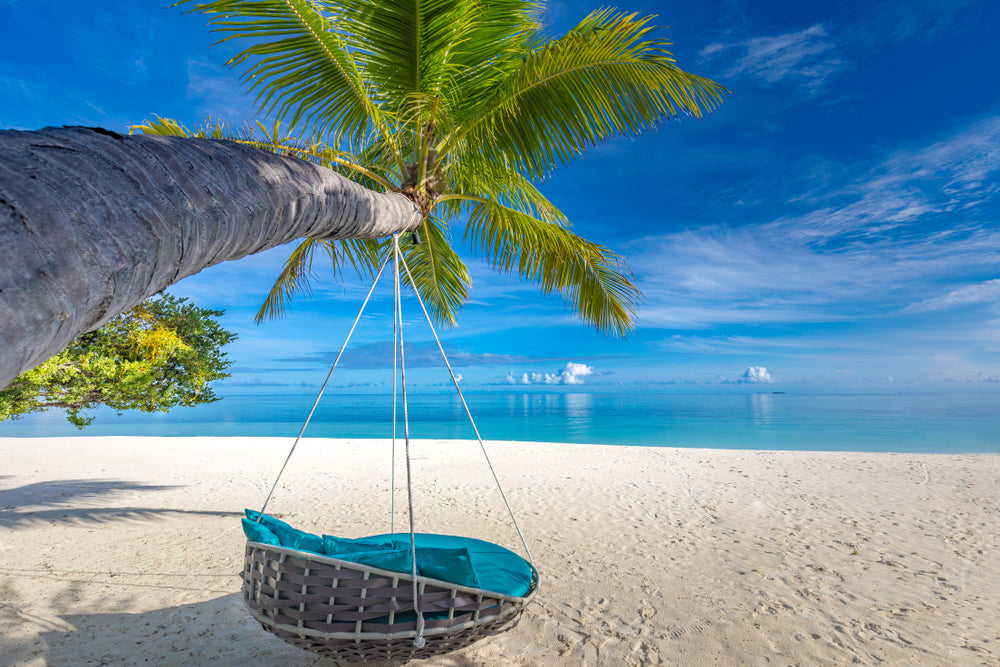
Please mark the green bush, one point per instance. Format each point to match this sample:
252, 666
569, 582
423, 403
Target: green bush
155, 357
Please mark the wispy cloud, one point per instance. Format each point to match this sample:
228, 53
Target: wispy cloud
419, 354
963, 161
987, 292
256, 382
765, 273
807, 57
897, 21
949, 177
219, 93
908, 227
36, 101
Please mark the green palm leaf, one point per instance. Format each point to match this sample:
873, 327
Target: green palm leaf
294, 277
409, 45
441, 277
606, 77
589, 276
301, 66
363, 255
496, 180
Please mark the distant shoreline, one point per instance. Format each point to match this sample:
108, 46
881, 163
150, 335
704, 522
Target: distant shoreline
85, 440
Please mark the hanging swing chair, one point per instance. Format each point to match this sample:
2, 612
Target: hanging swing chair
397, 596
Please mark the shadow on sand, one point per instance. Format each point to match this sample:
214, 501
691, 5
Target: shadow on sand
217, 631
213, 632
71, 500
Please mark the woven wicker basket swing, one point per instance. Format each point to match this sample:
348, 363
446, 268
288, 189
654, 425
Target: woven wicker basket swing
352, 611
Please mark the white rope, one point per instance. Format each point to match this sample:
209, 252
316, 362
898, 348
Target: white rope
322, 389
454, 381
398, 258
395, 354
419, 640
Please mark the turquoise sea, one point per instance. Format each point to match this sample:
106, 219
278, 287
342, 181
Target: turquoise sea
946, 422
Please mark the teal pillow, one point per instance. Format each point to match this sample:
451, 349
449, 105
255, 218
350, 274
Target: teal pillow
452, 565
460, 560
256, 532
288, 536
341, 547
498, 570
396, 560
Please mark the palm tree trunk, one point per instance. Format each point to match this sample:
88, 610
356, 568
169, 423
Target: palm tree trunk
93, 222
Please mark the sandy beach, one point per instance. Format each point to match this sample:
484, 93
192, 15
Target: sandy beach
125, 551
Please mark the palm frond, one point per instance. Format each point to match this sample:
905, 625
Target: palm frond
162, 127
209, 129
274, 141
300, 66
441, 277
294, 278
432, 47
607, 77
409, 45
495, 179
504, 30
592, 279
363, 255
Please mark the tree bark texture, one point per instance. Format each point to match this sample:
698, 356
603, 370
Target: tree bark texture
93, 222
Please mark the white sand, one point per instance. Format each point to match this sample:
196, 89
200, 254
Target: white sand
122, 551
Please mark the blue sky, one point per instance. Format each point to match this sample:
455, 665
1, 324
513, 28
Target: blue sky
835, 222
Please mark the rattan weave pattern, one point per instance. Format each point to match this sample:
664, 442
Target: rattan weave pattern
352, 612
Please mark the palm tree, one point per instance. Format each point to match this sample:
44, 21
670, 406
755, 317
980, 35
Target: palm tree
452, 110
462, 106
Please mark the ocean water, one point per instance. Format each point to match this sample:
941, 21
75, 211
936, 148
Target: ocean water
947, 422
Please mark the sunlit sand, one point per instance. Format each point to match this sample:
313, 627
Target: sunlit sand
123, 551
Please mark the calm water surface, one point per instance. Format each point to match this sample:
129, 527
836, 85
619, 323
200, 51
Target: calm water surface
833, 422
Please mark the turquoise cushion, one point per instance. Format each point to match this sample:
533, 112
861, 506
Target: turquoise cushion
287, 536
384, 554
339, 547
452, 565
461, 560
497, 569
396, 560
257, 532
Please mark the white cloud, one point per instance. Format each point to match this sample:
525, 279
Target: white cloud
572, 373
766, 273
752, 375
805, 56
755, 375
